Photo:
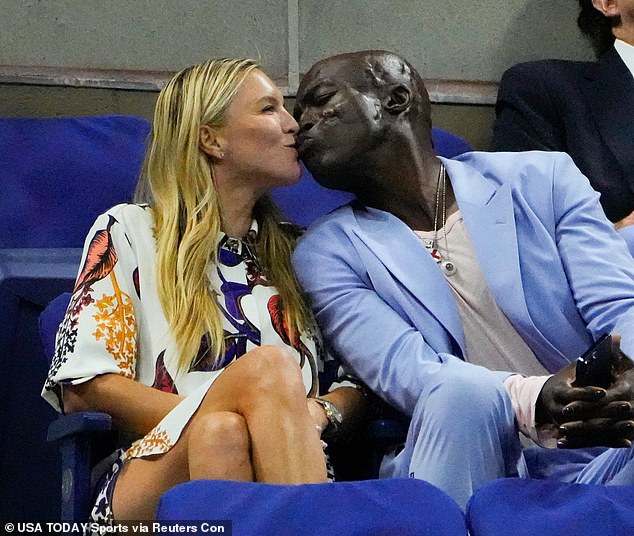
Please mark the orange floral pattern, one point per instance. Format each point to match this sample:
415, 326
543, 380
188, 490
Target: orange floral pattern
156, 442
117, 327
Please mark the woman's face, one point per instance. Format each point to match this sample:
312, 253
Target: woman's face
258, 139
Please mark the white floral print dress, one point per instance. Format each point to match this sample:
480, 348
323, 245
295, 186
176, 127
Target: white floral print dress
115, 323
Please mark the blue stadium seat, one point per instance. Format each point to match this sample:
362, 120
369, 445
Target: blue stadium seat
57, 175
527, 507
392, 507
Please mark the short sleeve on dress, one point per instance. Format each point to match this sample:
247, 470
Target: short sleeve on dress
98, 333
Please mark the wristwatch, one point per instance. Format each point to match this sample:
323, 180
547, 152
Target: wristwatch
335, 419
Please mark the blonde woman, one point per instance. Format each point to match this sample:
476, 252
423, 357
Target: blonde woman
186, 322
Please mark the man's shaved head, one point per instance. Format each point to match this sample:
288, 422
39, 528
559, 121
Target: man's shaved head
370, 70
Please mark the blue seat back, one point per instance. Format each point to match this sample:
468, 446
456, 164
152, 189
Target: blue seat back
390, 507
59, 174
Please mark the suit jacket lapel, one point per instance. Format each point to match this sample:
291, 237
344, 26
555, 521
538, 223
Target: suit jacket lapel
610, 92
490, 222
414, 267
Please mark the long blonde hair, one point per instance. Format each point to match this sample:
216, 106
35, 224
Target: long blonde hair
178, 182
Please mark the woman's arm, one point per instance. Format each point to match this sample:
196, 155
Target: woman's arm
134, 407
352, 403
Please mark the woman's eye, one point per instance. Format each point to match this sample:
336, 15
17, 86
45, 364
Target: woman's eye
269, 108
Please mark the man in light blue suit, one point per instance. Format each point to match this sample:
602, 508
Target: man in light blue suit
462, 291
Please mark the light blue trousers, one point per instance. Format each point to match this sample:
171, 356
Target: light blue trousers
463, 434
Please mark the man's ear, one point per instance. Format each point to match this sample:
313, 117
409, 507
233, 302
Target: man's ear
609, 8
398, 99
209, 142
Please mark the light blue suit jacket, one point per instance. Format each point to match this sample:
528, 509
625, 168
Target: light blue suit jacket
555, 265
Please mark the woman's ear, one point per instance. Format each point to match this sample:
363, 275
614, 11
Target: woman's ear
209, 142
398, 99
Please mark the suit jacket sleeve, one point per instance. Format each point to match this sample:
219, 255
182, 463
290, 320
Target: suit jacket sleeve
596, 260
527, 118
380, 347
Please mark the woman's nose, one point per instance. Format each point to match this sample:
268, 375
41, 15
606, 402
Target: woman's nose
290, 125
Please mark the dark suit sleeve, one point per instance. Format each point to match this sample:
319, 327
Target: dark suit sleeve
526, 116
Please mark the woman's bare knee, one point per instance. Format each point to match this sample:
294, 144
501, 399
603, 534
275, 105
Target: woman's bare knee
209, 431
273, 372
267, 375
219, 447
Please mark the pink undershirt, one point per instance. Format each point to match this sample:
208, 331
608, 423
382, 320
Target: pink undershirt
491, 340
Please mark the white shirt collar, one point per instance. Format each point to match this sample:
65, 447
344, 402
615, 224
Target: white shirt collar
626, 52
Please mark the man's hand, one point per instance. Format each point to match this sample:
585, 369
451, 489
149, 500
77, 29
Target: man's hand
628, 220
591, 416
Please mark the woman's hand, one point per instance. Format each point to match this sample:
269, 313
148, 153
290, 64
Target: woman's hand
318, 414
591, 416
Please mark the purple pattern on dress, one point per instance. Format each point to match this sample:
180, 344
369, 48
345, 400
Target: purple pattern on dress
232, 252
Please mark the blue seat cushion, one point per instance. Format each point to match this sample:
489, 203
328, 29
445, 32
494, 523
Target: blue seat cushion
527, 507
393, 507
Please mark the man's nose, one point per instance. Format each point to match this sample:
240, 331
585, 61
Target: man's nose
306, 121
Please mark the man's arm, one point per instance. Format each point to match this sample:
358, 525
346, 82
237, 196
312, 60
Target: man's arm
600, 272
598, 265
380, 347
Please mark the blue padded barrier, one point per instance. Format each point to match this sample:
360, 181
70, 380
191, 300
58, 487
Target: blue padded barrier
58, 174
392, 507
526, 507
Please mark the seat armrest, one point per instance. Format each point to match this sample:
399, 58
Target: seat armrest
82, 438
78, 423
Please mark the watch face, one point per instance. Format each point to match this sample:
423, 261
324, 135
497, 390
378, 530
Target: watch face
336, 414
332, 413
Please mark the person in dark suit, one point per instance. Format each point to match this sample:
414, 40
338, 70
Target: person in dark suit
583, 108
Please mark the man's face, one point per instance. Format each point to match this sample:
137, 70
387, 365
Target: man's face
623, 10
627, 19
340, 119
